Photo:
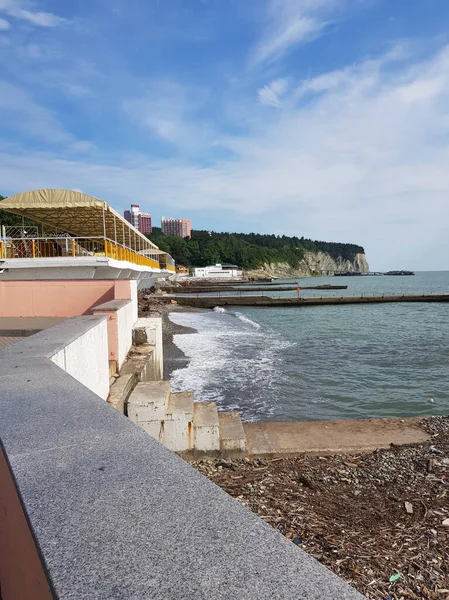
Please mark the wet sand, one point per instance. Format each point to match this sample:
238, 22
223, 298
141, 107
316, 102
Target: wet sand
174, 358
154, 306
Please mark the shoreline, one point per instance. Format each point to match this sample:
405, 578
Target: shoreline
284, 431
156, 306
174, 357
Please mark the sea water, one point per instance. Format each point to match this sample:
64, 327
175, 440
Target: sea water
323, 362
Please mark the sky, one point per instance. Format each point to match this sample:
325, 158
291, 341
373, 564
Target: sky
327, 119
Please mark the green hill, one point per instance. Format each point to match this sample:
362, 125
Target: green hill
247, 250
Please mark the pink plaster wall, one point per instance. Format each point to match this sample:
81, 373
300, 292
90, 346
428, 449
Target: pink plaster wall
58, 298
122, 289
22, 575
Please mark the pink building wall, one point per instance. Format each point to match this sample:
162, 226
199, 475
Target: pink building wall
21, 572
58, 298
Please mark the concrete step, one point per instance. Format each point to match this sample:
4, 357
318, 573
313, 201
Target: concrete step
140, 361
147, 406
179, 422
148, 331
180, 403
206, 427
120, 391
232, 434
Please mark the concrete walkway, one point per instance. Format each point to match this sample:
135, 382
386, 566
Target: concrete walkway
25, 326
331, 437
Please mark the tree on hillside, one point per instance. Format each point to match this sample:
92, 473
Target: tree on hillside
247, 250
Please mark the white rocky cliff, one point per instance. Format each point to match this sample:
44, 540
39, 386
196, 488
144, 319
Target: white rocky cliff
313, 263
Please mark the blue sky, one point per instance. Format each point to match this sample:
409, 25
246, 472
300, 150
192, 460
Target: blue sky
322, 118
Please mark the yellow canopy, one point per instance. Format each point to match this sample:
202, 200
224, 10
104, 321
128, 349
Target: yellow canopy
79, 215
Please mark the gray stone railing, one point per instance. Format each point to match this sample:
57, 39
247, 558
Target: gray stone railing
91, 507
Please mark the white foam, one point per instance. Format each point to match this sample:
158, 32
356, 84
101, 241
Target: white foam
219, 309
246, 320
231, 362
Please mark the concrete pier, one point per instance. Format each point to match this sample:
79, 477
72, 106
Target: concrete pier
266, 301
271, 439
251, 288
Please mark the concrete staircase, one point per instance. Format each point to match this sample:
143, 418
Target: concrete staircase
182, 425
174, 418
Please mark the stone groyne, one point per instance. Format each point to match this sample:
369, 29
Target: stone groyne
266, 301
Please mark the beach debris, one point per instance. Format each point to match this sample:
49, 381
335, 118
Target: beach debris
307, 481
395, 577
431, 400
431, 465
408, 507
355, 521
435, 450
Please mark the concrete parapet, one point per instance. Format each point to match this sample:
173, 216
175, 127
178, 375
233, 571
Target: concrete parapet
95, 489
121, 318
77, 345
148, 330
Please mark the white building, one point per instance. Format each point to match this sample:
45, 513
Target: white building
218, 272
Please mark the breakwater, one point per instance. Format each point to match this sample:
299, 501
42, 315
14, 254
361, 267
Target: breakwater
266, 301
240, 290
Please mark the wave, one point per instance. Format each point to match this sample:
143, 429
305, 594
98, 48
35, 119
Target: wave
238, 315
236, 364
246, 320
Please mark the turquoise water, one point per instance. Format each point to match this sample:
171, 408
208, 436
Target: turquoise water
324, 362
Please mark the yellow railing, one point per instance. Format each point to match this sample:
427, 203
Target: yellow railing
167, 263
119, 253
71, 247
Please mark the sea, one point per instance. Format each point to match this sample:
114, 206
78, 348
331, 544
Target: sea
323, 362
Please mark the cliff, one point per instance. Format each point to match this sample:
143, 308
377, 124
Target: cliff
313, 263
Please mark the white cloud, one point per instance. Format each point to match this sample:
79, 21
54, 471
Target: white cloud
4, 25
167, 110
424, 89
271, 94
14, 8
288, 23
363, 160
27, 116
325, 82
160, 109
